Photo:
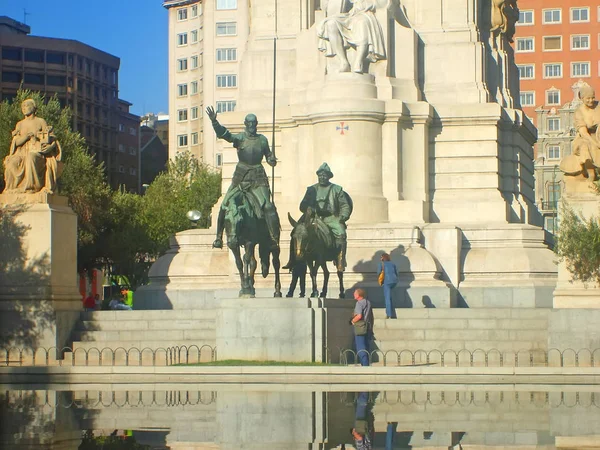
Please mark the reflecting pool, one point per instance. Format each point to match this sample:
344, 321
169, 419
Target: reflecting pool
299, 417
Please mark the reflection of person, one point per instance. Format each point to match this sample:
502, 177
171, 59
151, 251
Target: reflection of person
586, 146
355, 27
333, 207
249, 175
363, 430
362, 311
390, 279
298, 273
32, 164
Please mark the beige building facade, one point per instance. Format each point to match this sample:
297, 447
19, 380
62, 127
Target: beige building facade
206, 43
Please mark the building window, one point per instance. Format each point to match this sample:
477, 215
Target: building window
226, 106
182, 64
121, 148
226, 54
525, 45
56, 80
34, 78
182, 90
553, 70
11, 77
132, 151
580, 14
194, 112
226, 4
552, 43
182, 14
182, 39
525, 17
12, 54
553, 97
226, 81
194, 62
194, 36
526, 71
55, 58
182, 140
219, 159
226, 28
554, 124
580, 69
132, 131
194, 87
34, 56
182, 115
552, 16
528, 98
132, 171
194, 138
121, 127
553, 194
580, 42
554, 152
194, 11
121, 169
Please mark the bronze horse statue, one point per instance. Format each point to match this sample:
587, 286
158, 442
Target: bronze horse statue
244, 229
314, 244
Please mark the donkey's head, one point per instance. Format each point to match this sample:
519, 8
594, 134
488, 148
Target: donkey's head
301, 237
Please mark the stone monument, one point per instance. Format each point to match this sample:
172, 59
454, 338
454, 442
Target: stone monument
581, 170
39, 301
416, 106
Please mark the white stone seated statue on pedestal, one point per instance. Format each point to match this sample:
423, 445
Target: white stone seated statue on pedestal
351, 24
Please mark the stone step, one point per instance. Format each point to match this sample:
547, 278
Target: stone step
140, 345
465, 313
460, 323
161, 315
198, 335
146, 324
457, 345
462, 335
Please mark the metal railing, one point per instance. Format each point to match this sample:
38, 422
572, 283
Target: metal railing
477, 358
95, 356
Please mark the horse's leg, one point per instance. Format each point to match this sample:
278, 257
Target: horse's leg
325, 278
246, 282
252, 266
239, 264
342, 290
276, 265
312, 267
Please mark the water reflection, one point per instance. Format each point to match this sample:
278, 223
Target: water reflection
226, 418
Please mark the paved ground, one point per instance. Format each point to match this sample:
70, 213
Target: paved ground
302, 375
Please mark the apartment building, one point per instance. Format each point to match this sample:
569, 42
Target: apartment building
206, 41
81, 76
557, 48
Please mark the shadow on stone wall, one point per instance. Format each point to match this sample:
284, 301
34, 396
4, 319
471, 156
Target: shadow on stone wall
21, 281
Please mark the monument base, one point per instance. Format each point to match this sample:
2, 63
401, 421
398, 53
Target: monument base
294, 330
39, 300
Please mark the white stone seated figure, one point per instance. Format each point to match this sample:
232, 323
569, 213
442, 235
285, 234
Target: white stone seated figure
351, 24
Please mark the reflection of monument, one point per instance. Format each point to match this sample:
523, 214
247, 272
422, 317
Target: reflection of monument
38, 292
431, 136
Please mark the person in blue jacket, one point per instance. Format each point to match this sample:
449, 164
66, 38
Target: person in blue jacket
390, 280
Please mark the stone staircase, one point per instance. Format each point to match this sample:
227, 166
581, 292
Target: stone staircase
152, 329
503, 329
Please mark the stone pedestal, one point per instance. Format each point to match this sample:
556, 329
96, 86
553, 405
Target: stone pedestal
39, 300
285, 329
581, 197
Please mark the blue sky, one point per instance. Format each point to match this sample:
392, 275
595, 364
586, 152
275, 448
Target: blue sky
137, 32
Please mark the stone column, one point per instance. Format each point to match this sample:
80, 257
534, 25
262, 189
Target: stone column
39, 299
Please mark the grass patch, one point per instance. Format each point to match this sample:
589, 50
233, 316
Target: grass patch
241, 362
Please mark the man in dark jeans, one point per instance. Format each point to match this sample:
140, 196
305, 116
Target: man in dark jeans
362, 311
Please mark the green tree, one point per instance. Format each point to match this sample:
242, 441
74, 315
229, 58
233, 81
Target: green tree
578, 245
187, 184
82, 180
